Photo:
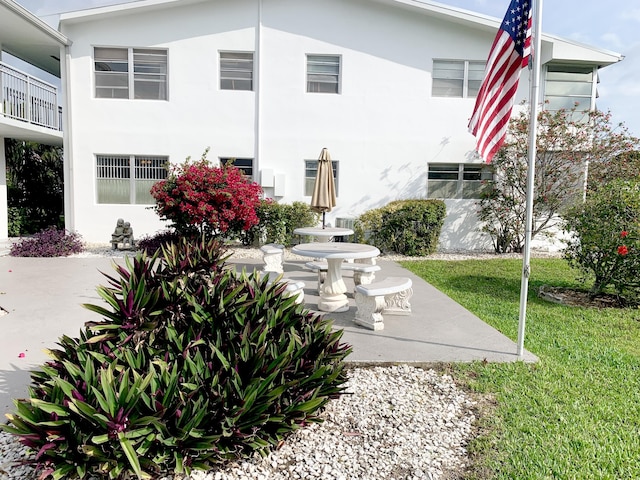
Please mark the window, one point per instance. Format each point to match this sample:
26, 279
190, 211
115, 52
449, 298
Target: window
323, 73
569, 86
310, 172
127, 179
457, 78
243, 164
458, 180
135, 73
236, 71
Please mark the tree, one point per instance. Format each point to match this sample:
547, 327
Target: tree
35, 187
569, 144
212, 201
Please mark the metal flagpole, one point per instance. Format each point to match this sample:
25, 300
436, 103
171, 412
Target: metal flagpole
533, 124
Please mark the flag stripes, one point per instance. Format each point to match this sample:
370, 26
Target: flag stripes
508, 55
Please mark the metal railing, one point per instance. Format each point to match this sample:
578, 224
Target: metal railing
28, 99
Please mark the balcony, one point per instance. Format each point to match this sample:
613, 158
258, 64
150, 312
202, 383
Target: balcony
27, 99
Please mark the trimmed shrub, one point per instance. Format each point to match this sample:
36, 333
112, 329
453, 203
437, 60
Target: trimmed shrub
192, 365
605, 245
51, 242
279, 220
407, 227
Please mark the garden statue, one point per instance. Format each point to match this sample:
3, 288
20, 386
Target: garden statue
123, 234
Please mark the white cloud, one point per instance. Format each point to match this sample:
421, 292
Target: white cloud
633, 14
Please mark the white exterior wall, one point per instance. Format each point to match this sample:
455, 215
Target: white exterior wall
384, 127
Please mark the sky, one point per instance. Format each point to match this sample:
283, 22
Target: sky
611, 25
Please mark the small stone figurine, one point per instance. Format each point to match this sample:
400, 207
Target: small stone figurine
123, 234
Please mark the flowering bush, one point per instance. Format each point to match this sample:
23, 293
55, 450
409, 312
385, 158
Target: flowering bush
214, 201
51, 242
606, 238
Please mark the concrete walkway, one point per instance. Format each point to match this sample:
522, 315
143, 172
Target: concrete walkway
42, 298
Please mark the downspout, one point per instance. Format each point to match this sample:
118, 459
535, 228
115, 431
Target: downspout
67, 143
258, 99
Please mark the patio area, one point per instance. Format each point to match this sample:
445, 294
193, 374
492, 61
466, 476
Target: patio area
43, 296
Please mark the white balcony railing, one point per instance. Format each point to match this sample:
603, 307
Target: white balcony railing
28, 99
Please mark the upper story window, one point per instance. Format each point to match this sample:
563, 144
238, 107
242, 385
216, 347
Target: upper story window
245, 165
127, 179
458, 180
134, 73
457, 78
569, 86
323, 73
236, 70
310, 173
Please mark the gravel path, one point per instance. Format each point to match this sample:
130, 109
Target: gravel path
396, 423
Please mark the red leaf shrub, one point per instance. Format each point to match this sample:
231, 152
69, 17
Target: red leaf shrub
215, 201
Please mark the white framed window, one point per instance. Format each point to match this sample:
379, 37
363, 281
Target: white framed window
310, 172
133, 73
323, 73
458, 180
236, 70
457, 78
569, 86
127, 179
243, 164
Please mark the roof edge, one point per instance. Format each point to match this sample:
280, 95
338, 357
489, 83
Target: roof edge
36, 22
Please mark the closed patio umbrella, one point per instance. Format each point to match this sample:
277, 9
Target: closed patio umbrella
324, 188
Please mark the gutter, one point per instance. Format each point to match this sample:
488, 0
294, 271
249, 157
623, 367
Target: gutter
36, 22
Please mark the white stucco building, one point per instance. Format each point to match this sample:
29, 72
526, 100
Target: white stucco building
387, 86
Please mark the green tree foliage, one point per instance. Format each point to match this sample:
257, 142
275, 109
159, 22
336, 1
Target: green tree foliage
569, 143
35, 187
605, 245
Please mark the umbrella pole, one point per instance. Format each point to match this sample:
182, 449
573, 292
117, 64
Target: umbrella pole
323, 215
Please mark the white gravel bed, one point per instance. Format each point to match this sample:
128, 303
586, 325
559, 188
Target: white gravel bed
99, 250
395, 423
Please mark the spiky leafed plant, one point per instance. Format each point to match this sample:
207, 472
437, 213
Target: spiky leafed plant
192, 364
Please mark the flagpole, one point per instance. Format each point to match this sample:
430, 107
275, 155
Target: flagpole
533, 124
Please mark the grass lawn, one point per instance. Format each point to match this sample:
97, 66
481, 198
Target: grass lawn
573, 415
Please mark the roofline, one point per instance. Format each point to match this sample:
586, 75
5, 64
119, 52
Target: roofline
36, 22
118, 7
453, 13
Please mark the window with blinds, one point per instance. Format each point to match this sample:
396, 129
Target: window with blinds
127, 179
458, 180
457, 78
310, 173
245, 165
570, 86
236, 70
323, 73
133, 73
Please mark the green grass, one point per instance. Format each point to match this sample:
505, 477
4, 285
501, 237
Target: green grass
573, 415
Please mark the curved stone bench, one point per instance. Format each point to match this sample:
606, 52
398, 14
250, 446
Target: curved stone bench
390, 296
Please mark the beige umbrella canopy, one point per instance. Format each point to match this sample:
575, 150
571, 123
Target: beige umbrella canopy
324, 188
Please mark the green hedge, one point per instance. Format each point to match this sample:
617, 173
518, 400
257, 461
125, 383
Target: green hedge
279, 220
407, 227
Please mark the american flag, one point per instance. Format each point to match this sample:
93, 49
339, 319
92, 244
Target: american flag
508, 55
